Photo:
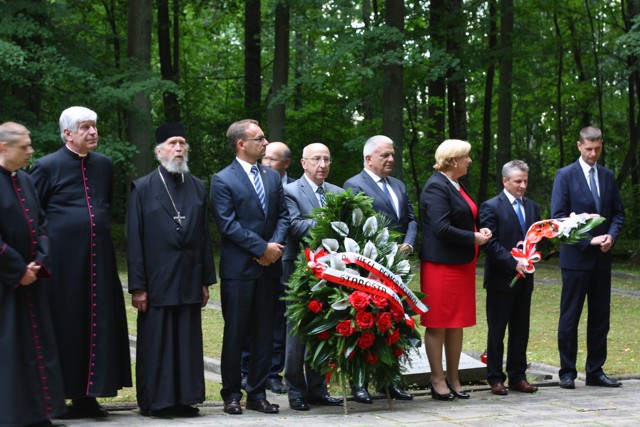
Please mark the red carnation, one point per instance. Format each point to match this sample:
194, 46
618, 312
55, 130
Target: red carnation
371, 358
324, 335
393, 338
384, 321
315, 306
366, 340
364, 319
360, 300
379, 301
410, 322
345, 328
397, 352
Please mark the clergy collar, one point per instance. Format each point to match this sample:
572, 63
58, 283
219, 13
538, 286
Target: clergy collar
8, 172
77, 154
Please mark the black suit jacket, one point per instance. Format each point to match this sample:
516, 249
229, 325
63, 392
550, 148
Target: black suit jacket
244, 227
497, 215
448, 225
571, 194
406, 223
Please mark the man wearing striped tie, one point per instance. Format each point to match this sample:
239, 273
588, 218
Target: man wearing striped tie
250, 211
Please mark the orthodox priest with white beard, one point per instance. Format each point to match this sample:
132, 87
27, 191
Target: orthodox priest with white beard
170, 270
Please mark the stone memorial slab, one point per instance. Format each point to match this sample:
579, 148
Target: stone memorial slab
417, 370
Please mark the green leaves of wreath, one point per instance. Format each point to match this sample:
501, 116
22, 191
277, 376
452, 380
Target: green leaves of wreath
358, 334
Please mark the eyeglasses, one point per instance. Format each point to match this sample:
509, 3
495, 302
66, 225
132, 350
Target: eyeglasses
316, 160
257, 138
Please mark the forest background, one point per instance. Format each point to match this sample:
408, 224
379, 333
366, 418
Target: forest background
516, 78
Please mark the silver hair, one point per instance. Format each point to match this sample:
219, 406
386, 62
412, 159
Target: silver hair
70, 118
372, 143
512, 166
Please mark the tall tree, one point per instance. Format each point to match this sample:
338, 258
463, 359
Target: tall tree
139, 52
275, 101
169, 54
487, 135
503, 152
456, 99
437, 84
252, 59
392, 97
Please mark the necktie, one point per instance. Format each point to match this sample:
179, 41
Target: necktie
323, 201
386, 191
257, 182
516, 206
594, 188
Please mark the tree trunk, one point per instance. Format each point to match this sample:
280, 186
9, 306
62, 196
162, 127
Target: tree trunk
252, 64
503, 153
559, 123
392, 96
276, 109
139, 51
436, 87
487, 137
169, 62
457, 92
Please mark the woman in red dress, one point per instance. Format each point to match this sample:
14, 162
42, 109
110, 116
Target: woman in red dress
448, 262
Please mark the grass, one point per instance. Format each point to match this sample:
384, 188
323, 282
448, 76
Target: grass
623, 348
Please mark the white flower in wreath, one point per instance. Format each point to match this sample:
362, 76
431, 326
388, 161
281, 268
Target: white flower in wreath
403, 267
357, 216
390, 258
341, 228
351, 245
370, 226
382, 237
331, 245
370, 250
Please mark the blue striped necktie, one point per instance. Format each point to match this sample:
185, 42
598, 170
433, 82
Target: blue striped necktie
257, 182
516, 205
323, 201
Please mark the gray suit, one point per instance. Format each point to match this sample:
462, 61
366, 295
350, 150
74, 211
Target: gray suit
301, 200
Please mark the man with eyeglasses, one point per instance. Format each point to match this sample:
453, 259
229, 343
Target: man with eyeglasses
277, 156
75, 185
305, 386
391, 200
251, 213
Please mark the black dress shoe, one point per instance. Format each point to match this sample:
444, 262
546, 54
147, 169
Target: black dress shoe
275, 385
458, 394
566, 381
262, 405
44, 423
158, 413
232, 406
437, 396
325, 400
85, 408
361, 395
397, 393
298, 404
185, 411
602, 381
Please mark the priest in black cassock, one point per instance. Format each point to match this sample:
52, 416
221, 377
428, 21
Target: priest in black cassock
31, 390
170, 269
74, 185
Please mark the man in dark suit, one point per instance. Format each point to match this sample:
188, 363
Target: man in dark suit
508, 215
585, 186
277, 156
391, 200
304, 384
250, 211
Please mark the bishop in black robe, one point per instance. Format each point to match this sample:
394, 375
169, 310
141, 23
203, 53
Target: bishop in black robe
170, 268
31, 389
85, 292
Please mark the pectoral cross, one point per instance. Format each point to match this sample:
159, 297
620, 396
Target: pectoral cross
179, 218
